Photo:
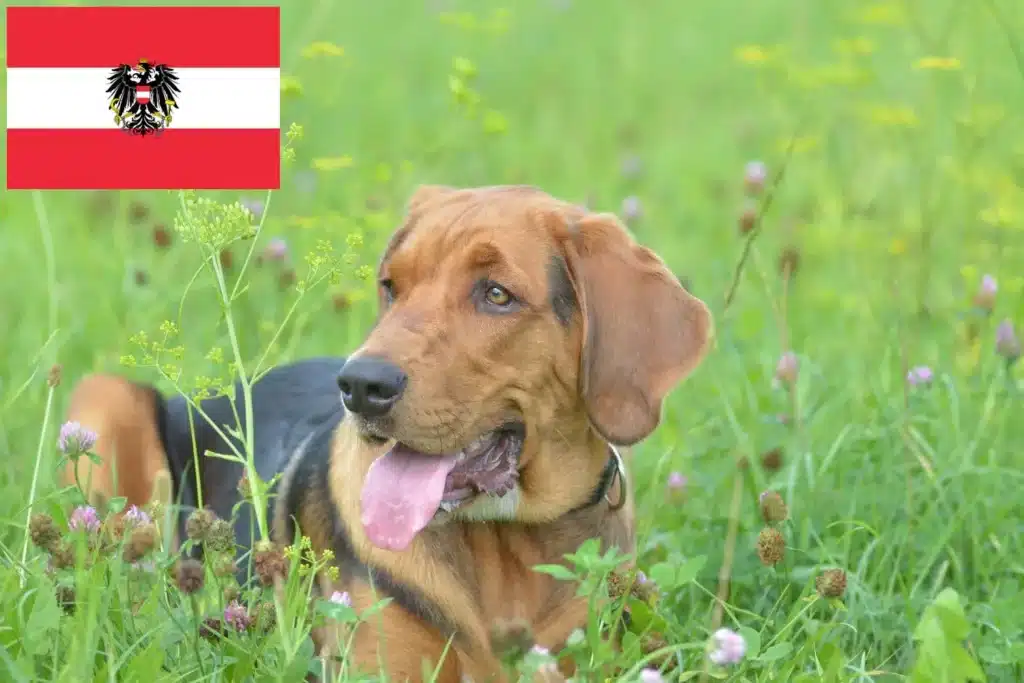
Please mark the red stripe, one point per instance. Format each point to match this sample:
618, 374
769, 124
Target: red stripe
177, 36
114, 160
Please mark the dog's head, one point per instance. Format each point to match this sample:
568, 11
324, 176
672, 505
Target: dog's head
517, 335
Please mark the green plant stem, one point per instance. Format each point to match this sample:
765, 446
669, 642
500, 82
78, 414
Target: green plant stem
35, 482
256, 489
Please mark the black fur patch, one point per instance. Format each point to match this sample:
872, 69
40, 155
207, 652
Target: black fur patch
563, 297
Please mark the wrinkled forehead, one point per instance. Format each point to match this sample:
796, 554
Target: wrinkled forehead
503, 230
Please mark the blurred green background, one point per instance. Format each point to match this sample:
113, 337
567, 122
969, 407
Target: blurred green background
898, 128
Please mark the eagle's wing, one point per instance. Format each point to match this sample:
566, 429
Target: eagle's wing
163, 94
121, 89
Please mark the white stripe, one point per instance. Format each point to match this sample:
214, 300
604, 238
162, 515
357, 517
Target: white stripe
209, 98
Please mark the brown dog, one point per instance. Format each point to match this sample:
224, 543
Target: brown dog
519, 338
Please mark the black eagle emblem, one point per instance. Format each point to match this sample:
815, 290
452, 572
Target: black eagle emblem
142, 96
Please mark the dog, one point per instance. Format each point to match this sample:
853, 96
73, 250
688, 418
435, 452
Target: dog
521, 341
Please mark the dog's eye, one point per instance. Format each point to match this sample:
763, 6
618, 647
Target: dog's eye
496, 295
388, 288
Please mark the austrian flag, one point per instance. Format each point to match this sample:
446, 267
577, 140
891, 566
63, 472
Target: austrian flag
131, 98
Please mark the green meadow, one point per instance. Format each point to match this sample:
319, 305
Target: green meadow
884, 250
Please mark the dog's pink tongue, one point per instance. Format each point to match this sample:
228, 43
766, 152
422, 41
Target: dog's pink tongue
402, 491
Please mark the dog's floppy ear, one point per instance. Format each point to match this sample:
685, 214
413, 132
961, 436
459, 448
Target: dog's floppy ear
642, 331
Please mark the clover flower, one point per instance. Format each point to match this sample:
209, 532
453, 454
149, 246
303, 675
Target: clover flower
84, 517
253, 206
651, 676
985, 297
74, 439
236, 616
729, 647
632, 209
921, 375
136, 516
341, 598
1007, 343
788, 368
276, 250
676, 481
754, 175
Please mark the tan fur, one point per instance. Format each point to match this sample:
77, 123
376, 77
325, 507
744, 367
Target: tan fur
638, 334
133, 461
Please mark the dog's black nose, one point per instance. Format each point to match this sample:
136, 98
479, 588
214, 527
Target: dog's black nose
370, 386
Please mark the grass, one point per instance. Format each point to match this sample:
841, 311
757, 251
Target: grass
889, 130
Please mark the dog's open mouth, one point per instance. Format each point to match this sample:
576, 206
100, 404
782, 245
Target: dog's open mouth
405, 488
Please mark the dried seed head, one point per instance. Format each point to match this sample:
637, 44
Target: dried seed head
773, 508
266, 617
831, 583
62, 555
270, 563
189, 575
43, 531
341, 302
66, 598
244, 489
771, 546
651, 643
286, 279
198, 524
224, 566
141, 542
53, 377
789, 261
748, 217
771, 460
138, 212
221, 537
161, 236
211, 629
231, 593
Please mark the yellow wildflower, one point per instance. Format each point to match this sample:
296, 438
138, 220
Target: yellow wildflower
494, 123
890, 115
333, 163
938, 63
290, 86
799, 144
884, 14
898, 246
853, 46
463, 20
322, 48
752, 55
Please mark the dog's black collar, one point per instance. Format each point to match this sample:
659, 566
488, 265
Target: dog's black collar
613, 469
